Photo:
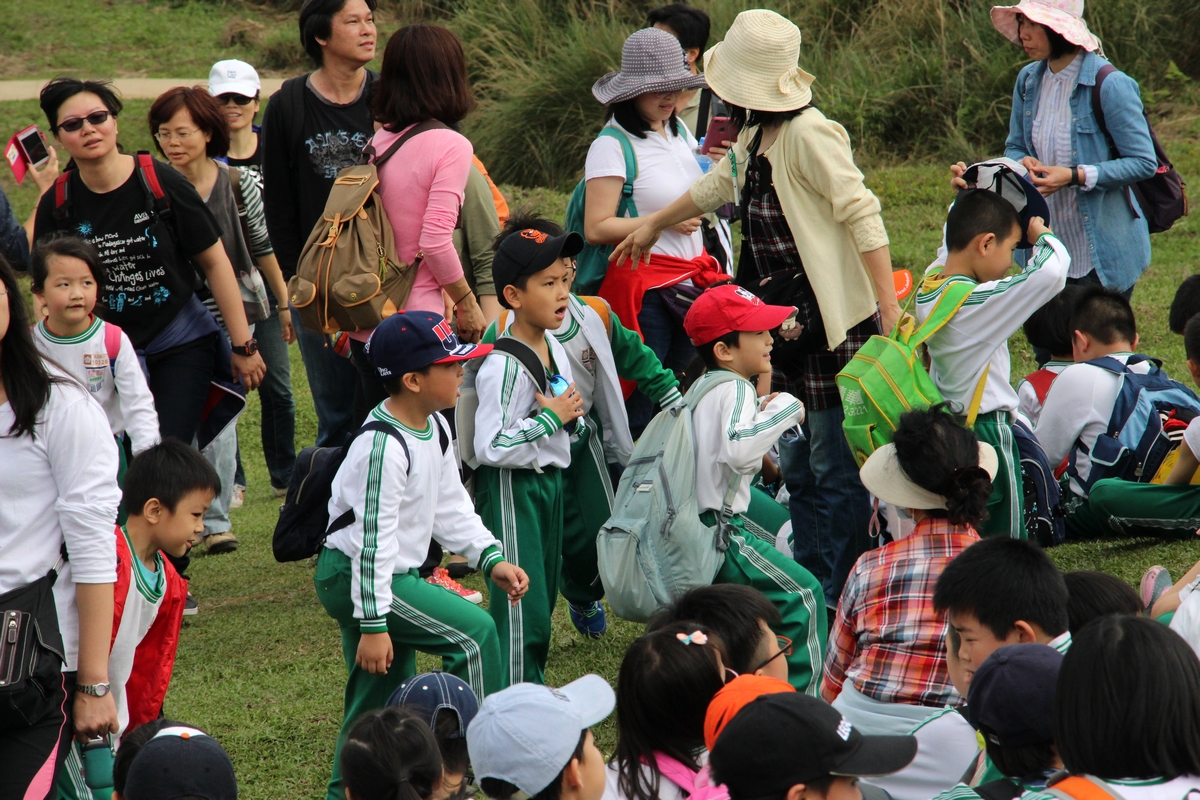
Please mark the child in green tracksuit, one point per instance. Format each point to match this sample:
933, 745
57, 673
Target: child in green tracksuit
731, 329
397, 488
602, 353
523, 437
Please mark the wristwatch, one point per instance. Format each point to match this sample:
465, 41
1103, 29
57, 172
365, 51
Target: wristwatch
248, 349
94, 689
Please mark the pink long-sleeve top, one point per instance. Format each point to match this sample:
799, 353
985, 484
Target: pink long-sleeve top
422, 188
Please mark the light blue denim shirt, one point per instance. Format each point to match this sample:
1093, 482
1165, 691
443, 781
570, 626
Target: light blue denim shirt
1117, 234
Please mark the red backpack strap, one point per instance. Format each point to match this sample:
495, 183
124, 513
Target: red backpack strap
145, 163
112, 345
1040, 381
62, 196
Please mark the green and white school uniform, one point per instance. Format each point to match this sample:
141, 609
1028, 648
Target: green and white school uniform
367, 572
973, 347
732, 436
522, 450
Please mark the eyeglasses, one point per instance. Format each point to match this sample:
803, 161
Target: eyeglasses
182, 136
785, 650
95, 119
730, 675
558, 385
240, 99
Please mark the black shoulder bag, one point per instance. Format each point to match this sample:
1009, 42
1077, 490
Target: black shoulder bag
31, 652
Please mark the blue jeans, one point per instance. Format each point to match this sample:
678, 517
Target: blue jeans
332, 380
278, 406
663, 334
831, 511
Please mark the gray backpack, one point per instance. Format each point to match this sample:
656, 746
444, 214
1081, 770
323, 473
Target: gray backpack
654, 546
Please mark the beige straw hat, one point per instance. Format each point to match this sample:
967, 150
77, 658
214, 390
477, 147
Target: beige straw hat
884, 478
755, 67
1064, 17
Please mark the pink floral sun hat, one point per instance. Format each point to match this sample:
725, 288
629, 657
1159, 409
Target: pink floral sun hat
1064, 17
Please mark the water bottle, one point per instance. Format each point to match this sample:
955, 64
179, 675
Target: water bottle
98, 767
703, 160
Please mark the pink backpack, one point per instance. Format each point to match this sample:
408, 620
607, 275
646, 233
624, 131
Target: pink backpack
112, 345
696, 785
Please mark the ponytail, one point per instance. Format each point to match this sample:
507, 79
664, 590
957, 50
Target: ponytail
391, 754
966, 492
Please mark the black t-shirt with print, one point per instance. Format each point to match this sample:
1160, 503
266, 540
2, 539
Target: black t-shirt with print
145, 285
253, 164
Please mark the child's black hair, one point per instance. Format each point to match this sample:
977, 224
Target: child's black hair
1024, 762
453, 747
976, 212
1001, 581
66, 245
1104, 315
520, 220
663, 690
132, 743
394, 384
1128, 702
1050, 326
1185, 305
1191, 339
497, 789
167, 472
733, 612
1094, 594
705, 351
942, 457
391, 753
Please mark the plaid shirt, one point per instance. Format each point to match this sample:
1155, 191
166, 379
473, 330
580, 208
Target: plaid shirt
887, 639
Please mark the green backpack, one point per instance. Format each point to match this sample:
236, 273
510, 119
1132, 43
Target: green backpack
592, 263
886, 377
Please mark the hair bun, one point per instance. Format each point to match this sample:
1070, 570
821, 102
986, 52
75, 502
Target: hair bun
967, 492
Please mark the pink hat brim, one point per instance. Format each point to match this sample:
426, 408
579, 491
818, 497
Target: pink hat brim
1073, 29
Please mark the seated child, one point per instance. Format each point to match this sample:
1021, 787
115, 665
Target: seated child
1097, 594
884, 669
1011, 704
742, 618
538, 740
1171, 508
603, 353
1175, 605
1185, 304
733, 697
666, 682
180, 763
734, 429
1049, 329
448, 705
404, 489
392, 753
523, 440
796, 746
969, 355
66, 275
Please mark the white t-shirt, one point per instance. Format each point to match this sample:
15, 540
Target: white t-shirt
1077, 409
1029, 407
667, 168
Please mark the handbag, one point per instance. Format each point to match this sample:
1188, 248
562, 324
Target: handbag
31, 653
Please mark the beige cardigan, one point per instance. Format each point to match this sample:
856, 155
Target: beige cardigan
832, 215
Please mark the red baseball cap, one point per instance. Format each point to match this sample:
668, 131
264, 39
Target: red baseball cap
727, 308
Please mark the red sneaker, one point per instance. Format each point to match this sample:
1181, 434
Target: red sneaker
441, 577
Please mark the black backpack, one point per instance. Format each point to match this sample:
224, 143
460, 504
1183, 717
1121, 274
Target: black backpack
304, 516
1045, 515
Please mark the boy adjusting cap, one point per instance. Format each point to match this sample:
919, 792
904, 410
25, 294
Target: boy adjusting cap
727, 308
529, 251
780, 740
412, 340
526, 734
430, 693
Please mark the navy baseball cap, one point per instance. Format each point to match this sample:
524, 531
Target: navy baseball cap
1011, 699
1010, 180
412, 340
528, 251
181, 762
430, 693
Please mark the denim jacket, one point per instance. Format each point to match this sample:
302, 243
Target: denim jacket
1116, 231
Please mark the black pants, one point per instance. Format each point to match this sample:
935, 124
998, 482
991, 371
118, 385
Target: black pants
38, 751
371, 392
179, 380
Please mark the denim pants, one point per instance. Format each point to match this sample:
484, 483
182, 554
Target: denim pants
663, 334
331, 379
221, 452
831, 510
278, 406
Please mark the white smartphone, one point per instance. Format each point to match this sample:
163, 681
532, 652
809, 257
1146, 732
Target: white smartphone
33, 146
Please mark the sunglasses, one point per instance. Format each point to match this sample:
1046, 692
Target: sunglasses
240, 99
785, 650
95, 119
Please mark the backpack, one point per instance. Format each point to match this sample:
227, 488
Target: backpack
695, 785
1163, 196
348, 277
1080, 787
592, 263
654, 547
303, 523
1135, 444
885, 377
1045, 516
112, 346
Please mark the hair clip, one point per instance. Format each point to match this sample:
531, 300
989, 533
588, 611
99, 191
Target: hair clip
695, 637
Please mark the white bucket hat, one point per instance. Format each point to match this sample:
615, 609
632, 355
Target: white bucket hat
755, 66
652, 60
1064, 17
884, 478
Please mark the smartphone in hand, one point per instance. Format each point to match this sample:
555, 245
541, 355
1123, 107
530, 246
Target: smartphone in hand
720, 130
33, 146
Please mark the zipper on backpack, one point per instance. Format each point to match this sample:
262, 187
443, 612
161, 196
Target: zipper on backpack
8, 646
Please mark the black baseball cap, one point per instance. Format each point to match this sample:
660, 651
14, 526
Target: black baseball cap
1010, 180
430, 693
780, 740
528, 251
412, 340
181, 762
1011, 699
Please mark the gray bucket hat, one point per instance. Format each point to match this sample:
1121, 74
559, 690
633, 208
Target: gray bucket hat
652, 60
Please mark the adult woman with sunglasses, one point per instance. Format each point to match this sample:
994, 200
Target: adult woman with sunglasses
149, 286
